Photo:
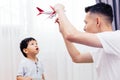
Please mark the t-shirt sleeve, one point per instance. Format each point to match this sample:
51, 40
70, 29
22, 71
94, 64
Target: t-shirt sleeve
21, 70
110, 42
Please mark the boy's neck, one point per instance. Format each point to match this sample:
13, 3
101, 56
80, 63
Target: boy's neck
33, 58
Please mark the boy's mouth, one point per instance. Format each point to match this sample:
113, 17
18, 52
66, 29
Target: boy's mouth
37, 48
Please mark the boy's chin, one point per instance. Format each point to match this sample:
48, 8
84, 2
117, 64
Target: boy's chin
36, 53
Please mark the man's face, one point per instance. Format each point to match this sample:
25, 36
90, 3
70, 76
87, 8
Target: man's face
91, 23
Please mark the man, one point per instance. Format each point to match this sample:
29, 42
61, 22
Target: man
99, 35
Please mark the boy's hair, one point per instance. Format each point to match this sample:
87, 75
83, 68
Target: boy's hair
24, 44
101, 8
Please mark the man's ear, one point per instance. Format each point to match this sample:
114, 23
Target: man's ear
98, 20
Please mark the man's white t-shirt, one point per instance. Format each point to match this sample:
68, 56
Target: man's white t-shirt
30, 68
107, 59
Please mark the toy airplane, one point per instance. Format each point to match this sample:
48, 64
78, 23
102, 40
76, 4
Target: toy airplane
50, 13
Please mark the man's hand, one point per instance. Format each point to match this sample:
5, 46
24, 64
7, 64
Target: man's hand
58, 8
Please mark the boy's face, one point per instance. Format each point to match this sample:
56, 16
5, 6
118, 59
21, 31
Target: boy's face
32, 48
91, 23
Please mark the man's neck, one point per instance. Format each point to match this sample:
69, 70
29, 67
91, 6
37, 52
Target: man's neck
106, 27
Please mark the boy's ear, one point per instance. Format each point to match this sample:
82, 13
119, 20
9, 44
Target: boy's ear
25, 50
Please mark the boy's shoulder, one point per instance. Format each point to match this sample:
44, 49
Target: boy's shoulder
24, 61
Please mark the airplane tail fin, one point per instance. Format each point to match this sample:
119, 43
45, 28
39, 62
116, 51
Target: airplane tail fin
40, 10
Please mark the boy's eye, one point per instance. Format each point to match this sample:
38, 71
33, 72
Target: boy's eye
32, 43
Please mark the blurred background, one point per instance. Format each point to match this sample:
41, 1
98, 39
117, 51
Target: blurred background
18, 20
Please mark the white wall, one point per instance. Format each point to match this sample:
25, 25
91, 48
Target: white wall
18, 19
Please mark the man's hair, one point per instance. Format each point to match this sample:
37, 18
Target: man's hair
24, 44
101, 8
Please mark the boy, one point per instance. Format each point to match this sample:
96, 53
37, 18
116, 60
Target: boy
30, 68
